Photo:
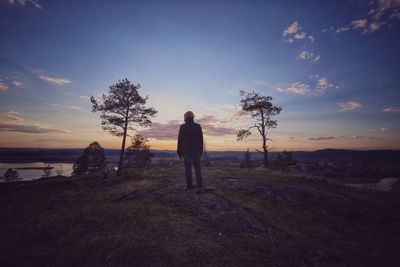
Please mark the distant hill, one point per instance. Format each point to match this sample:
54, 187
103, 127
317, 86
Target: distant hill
70, 155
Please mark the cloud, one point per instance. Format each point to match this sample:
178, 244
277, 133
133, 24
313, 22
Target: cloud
59, 81
207, 119
292, 33
359, 23
17, 83
61, 106
300, 36
84, 97
391, 109
3, 87
395, 15
23, 3
170, 129
34, 129
380, 129
298, 88
306, 55
374, 26
349, 105
11, 122
292, 29
383, 7
162, 131
11, 117
321, 138
323, 84
8, 83
342, 29
331, 137
382, 14
361, 137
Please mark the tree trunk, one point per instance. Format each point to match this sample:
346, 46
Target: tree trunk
264, 137
265, 158
121, 155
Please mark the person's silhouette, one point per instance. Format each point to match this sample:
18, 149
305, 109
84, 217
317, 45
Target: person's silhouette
190, 148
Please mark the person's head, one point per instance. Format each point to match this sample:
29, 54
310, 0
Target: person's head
189, 116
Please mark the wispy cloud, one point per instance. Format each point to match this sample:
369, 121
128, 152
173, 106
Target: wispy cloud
7, 83
331, 137
3, 87
24, 2
342, 29
298, 88
391, 109
84, 97
359, 23
308, 55
381, 14
382, 129
169, 130
24, 128
70, 107
292, 29
59, 81
17, 83
323, 84
293, 32
11, 121
349, 105
322, 138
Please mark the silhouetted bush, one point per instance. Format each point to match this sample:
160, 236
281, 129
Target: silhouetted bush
92, 159
11, 176
81, 166
138, 153
246, 163
283, 160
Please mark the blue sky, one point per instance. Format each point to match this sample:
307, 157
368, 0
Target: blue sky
332, 66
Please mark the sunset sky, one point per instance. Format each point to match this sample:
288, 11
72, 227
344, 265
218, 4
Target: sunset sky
333, 66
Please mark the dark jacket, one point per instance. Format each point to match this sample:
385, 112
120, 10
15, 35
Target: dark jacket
190, 138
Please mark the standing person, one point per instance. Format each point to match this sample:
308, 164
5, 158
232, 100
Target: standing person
190, 148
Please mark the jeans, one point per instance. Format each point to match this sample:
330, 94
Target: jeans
194, 159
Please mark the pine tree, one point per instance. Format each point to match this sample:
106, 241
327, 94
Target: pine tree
261, 109
122, 107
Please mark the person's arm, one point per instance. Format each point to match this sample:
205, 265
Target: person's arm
179, 147
201, 141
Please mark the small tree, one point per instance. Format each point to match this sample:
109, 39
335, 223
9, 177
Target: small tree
11, 176
119, 109
283, 159
138, 153
92, 159
261, 110
81, 166
95, 155
246, 163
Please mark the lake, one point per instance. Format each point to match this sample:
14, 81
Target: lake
33, 170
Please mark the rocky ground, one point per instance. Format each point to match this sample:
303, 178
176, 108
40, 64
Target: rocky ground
243, 218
